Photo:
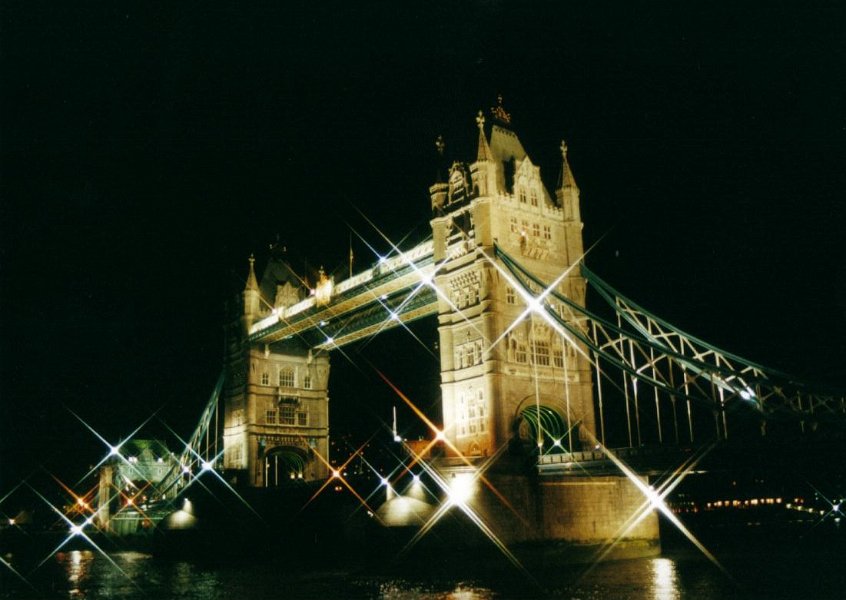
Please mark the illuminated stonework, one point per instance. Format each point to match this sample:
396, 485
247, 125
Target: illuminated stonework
488, 379
276, 416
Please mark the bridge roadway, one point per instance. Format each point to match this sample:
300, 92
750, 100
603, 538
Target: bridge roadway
395, 291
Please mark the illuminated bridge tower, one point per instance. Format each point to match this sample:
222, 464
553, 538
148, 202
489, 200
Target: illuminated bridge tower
499, 380
508, 379
276, 404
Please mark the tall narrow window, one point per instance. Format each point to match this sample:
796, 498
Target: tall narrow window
522, 195
547, 232
520, 353
302, 418
558, 357
468, 355
534, 196
307, 380
535, 229
542, 353
461, 415
286, 377
513, 224
286, 414
510, 298
270, 417
480, 411
265, 378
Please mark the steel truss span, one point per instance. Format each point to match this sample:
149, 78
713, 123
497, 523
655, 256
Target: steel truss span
645, 359
640, 361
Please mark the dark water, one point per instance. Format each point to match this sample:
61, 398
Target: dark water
752, 564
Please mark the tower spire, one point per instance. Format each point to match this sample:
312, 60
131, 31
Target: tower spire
252, 283
484, 152
567, 180
251, 296
567, 193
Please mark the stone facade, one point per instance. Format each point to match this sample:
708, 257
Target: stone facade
504, 368
276, 415
491, 371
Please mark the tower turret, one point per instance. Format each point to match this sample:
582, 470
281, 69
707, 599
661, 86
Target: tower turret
251, 295
567, 192
438, 191
484, 171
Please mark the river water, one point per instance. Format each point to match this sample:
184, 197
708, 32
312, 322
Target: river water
809, 564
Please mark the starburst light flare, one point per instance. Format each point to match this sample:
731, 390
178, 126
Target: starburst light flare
655, 500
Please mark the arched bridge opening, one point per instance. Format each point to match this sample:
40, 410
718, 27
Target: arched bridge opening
541, 425
284, 465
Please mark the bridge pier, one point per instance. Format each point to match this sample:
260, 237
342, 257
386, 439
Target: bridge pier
582, 515
511, 378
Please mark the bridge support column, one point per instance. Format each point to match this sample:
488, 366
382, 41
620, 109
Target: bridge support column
574, 514
104, 496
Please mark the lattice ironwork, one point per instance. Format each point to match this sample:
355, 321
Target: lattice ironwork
202, 448
672, 364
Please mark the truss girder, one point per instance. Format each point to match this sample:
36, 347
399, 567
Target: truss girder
375, 318
194, 454
409, 276
654, 352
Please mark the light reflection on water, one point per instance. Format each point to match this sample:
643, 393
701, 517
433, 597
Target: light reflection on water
664, 579
134, 575
77, 564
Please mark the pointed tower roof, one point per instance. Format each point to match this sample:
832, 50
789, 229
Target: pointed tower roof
484, 152
505, 145
252, 283
566, 180
278, 272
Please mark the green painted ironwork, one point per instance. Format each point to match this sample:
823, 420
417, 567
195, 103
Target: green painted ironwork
706, 374
554, 432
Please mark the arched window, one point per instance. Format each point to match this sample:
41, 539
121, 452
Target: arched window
286, 377
541, 353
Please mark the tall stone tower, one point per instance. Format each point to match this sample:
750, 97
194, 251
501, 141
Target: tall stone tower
276, 404
506, 379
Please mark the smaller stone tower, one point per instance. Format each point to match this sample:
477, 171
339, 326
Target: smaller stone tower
276, 404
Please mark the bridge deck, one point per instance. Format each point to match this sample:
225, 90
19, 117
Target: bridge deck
395, 291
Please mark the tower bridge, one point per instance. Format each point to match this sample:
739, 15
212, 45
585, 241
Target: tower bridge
527, 370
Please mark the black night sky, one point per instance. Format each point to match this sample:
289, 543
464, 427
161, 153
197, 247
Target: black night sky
147, 151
